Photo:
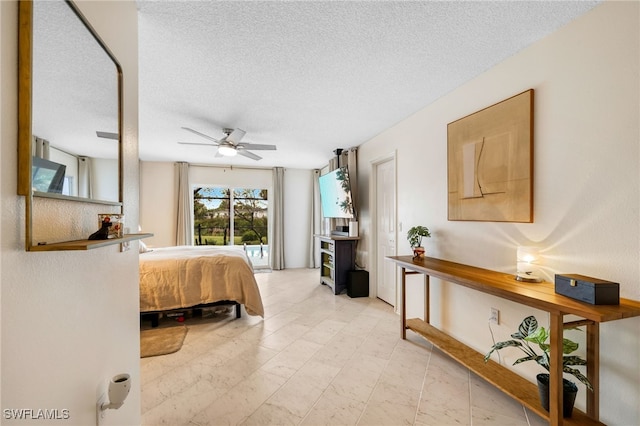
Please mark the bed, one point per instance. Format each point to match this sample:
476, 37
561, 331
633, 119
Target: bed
181, 277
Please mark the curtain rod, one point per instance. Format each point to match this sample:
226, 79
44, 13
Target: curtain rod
216, 166
66, 152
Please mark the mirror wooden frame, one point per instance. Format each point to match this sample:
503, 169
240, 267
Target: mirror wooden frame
25, 96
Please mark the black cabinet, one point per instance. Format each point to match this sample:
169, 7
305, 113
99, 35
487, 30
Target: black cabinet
338, 257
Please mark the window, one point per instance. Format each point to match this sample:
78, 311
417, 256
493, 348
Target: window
232, 216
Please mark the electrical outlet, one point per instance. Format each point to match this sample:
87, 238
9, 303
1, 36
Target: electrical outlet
125, 246
495, 316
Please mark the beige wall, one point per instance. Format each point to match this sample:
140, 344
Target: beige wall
158, 202
587, 187
69, 319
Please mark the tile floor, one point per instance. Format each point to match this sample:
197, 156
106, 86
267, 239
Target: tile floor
315, 359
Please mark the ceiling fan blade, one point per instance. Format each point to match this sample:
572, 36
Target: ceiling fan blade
257, 146
249, 154
236, 136
197, 143
201, 134
107, 135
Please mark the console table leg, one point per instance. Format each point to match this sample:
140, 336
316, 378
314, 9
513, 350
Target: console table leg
427, 319
403, 307
593, 369
555, 369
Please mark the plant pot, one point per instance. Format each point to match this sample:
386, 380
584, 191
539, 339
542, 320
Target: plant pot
418, 252
569, 392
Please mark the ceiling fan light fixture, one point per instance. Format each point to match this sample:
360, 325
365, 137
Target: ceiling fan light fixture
230, 144
227, 151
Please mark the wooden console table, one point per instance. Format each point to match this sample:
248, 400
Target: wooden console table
537, 295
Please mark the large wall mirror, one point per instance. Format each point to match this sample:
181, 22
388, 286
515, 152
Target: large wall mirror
70, 107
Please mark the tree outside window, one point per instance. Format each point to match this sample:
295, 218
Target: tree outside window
224, 216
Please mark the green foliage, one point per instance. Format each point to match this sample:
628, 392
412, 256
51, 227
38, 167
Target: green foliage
342, 176
213, 209
528, 332
250, 237
415, 235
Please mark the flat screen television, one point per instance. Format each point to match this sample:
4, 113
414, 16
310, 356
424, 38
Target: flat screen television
47, 176
335, 194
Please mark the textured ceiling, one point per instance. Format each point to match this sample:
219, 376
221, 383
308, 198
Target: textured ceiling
313, 76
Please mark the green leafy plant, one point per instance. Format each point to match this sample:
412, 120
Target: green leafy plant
528, 333
415, 235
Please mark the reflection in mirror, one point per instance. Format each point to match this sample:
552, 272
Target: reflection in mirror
75, 98
48, 176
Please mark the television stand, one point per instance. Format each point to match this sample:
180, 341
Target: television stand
337, 258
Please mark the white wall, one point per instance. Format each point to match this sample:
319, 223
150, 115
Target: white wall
69, 320
586, 187
158, 201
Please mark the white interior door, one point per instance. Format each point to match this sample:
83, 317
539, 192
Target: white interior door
385, 195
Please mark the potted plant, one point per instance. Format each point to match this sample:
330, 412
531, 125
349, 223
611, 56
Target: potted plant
414, 236
529, 334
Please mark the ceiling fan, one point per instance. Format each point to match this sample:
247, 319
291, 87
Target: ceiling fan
107, 135
230, 144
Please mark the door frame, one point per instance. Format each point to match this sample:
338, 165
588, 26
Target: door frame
373, 249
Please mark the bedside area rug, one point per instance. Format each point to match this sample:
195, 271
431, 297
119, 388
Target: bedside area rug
161, 341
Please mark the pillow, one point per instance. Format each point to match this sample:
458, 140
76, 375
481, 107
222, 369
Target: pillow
142, 247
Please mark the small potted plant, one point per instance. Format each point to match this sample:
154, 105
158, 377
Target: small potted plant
414, 236
528, 333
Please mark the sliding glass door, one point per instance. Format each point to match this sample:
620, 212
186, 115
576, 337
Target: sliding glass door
233, 216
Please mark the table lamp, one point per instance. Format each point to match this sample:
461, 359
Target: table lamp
527, 265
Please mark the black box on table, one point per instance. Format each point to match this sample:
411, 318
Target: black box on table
587, 289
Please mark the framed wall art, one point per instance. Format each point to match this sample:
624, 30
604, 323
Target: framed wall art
490, 163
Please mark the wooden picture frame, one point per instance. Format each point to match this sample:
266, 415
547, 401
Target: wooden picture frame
490, 163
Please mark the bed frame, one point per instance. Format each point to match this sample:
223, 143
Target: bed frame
154, 316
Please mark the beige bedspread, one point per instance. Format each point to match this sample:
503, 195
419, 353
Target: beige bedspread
185, 276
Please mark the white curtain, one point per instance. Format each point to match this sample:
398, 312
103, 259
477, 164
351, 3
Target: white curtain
316, 217
277, 242
41, 147
334, 163
84, 177
184, 228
